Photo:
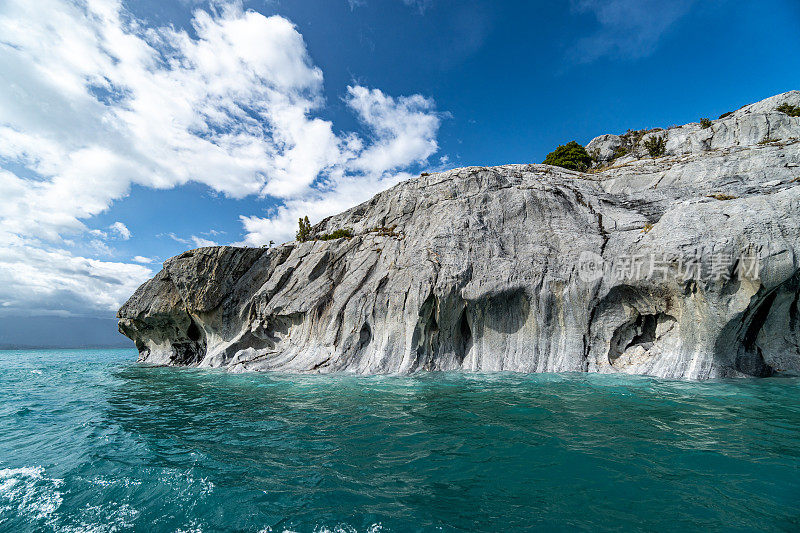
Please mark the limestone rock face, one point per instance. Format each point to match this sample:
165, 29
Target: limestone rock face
604, 147
682, 266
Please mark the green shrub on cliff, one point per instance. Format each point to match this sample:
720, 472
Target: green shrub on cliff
791, 110
346, 233
655, 145
705, 123
571, 155
619, 152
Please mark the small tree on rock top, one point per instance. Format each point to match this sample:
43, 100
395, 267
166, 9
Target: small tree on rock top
304, 232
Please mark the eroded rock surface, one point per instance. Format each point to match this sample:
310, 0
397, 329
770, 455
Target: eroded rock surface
491, 269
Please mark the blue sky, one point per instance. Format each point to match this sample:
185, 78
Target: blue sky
131, 131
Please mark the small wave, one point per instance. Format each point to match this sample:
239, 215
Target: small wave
104, 519
126, 482
346, 528
28, 494
194, 527
339, 528
29, 499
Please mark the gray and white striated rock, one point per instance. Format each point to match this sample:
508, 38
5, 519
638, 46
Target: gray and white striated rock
487, 269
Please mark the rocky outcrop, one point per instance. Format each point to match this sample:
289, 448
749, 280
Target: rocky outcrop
681, 266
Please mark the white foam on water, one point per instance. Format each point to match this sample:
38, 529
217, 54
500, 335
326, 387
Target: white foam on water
339, 528
106, 482
104, 519
346, 528
194, 527
28, 494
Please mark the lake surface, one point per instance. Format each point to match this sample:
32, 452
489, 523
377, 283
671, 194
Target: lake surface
91, 441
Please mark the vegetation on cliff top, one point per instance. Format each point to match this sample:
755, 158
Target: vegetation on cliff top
572, 156
304, 232
343, 233
791, 110
656, 145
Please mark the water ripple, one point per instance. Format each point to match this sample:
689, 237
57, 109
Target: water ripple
92, 442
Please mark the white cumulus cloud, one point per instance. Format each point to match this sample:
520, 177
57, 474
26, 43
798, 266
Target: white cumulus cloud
96, 102
121, 229
201, 242
403, 131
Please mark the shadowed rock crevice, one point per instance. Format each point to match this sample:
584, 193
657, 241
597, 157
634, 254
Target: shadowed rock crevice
426, 334
193, 332
463, 342
741, 336
190, 348
765, 337
506, 312
444, 334
364, 337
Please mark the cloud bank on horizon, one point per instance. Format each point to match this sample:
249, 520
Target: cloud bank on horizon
99, 103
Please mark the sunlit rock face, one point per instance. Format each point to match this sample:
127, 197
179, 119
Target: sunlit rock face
679, 266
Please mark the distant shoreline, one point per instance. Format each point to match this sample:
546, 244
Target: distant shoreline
50, 347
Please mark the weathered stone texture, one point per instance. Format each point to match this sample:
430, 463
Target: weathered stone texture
485, 269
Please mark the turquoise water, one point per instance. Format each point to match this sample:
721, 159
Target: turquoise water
90, 441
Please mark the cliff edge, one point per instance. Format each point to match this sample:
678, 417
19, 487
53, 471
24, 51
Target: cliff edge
683, 265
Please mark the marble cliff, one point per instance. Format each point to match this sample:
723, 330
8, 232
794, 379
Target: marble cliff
683, 265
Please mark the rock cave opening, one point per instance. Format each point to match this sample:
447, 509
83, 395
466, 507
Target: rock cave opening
644, 330
193, 332
364, 337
